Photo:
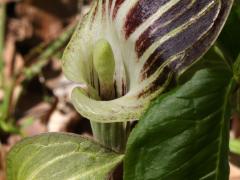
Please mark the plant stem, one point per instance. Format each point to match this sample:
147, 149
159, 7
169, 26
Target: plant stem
7, 88
5, 124
43, 58
2, 33
111, 135
36, 51
7, 101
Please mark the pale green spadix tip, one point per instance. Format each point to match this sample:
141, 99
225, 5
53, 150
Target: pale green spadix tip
103, 60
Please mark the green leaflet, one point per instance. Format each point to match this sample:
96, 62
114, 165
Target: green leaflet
230, 36
184, 134
56, 156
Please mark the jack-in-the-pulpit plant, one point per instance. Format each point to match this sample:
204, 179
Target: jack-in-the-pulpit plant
122, 56
151, 41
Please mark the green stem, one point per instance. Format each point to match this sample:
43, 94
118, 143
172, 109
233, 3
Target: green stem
5, 119
36, 51
7, 101
2, 33
43, 59
111, 135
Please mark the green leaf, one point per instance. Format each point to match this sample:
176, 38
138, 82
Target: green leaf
234, 145
184, 134
230, 36
152, 43
56, 156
